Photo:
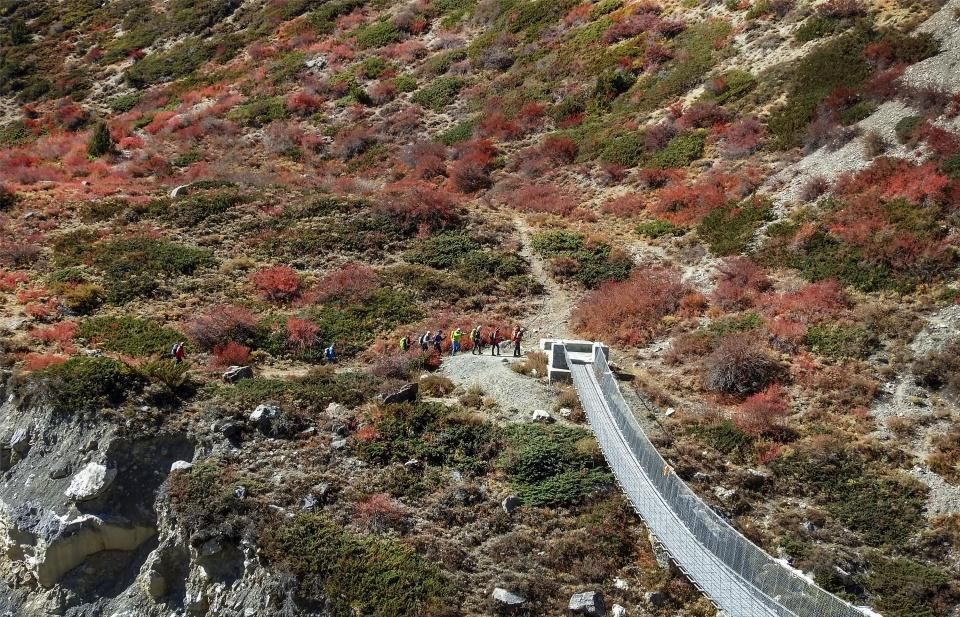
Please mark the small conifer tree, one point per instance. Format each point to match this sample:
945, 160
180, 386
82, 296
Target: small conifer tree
100, 142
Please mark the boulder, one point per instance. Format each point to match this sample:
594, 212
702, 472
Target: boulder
621, 584
264, 413
155, 584
240, 492
510, 503
565, 412
231, 429
90, 482
181, 466
587, 603
237, 373
406, 394
20, 442
618, 611
542, 416
338, 444
61, 471
508, 599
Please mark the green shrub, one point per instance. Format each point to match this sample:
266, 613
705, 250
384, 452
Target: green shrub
205, 503
604, 7
310, 394
950, 166
434, 434
259, 112
729, 229
817, 27
695, 54
884, 507
681, 151
373, 67
822, 257
553, 465
350, 574
14, 133
736, 84
442, 251
461, 131
377, 34
354, 326
134, 267
742, 322
441, 63
195, 209
128, 335
600, 264
726, 437
838, 62
907, 588
657, 228
405, 83
439, 93
906, 128
82, 385
180, 60
324, 18
840, 340
553, 243
626, 150
125, 102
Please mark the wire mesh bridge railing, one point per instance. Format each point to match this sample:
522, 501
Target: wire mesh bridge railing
740, 578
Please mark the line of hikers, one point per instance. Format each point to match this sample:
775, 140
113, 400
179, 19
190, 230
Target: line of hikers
478, 340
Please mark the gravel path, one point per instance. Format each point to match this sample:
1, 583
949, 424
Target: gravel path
550, 317
517, 395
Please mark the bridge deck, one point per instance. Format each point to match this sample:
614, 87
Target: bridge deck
739, 577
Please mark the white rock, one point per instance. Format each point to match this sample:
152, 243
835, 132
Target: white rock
263, 413
90, 482
539, 415
508, 598
618, 611
620, 583
181, 466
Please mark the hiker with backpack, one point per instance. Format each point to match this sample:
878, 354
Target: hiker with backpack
438, 341
476, 337
404, 343
177, 352
517, 337
330, 353
494, 341
425, 340
455, 340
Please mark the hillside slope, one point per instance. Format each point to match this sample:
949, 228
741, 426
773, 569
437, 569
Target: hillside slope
754, 203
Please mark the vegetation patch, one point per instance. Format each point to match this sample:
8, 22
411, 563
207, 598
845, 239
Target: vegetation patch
82, 385
128, 335
553, 465
434, 434
728, 230
840, 340
439, 93
350, 573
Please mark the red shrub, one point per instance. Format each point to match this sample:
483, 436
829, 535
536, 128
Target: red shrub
884, 84
231, 354
559, 149
812, 303
742, 137
471, 171
740, 282
658, 136
763, 413
579, 14
629, 312
350, 283
61, 333
40, 361
220, 325
544, 198
277, 283
302, 334
10, 280
379, 512
419, 206
304, 103
703, 115
352, 141
497, 126
624, 206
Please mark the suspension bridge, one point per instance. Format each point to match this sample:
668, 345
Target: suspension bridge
738, 577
